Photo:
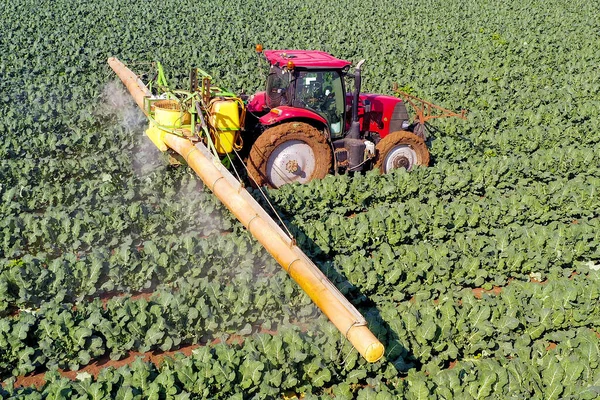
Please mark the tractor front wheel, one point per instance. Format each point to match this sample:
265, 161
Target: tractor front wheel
401, 149
287, 153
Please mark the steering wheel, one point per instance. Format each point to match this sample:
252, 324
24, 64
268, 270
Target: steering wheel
317, 94
312, 101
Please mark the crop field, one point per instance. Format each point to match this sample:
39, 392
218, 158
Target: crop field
480, 274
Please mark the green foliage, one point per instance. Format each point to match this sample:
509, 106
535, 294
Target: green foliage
90, 209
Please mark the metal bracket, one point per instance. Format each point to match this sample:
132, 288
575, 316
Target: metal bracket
426, 110
251, 219
290, 265
215, 182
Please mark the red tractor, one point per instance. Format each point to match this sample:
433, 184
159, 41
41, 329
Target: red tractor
310, 126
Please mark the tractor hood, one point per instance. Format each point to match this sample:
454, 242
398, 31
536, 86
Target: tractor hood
387, 113
283, 113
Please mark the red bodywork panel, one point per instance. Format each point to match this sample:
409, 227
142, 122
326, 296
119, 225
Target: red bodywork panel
380, 117
378, 120
312, 59
257, 103
282, 113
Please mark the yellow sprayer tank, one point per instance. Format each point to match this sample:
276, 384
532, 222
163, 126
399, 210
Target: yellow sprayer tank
225, 119
169, 114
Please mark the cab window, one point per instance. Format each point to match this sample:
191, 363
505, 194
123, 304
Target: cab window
322, 92
278, 84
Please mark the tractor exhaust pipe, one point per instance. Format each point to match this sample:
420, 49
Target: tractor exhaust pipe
354, 132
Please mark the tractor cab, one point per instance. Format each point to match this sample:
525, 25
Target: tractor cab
309, 80
309, 126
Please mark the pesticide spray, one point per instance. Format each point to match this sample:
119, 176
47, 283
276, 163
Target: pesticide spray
124, 117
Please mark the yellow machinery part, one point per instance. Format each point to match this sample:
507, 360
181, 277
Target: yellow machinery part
224, 117
156, 136
169, 114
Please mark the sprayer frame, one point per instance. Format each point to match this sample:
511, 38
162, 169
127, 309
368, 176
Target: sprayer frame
198, 99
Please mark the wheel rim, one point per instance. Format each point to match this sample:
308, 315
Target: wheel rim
291, 161
401, 156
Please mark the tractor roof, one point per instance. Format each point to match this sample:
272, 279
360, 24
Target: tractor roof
305, 59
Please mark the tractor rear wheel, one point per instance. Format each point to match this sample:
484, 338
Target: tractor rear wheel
287, 153
401, 149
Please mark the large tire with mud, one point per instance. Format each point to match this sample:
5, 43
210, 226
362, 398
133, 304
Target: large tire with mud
401, 149
287, 153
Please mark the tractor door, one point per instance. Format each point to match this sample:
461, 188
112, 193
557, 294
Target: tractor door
323, 93
278, 84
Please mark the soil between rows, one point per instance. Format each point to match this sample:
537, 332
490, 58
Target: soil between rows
37, 378
157, 356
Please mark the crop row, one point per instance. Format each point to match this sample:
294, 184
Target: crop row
190, 310
255, 368
434, 329
31, 280
269, 365
515, 245
427, 332
98, 201
470, 259
542, 173
406, 222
